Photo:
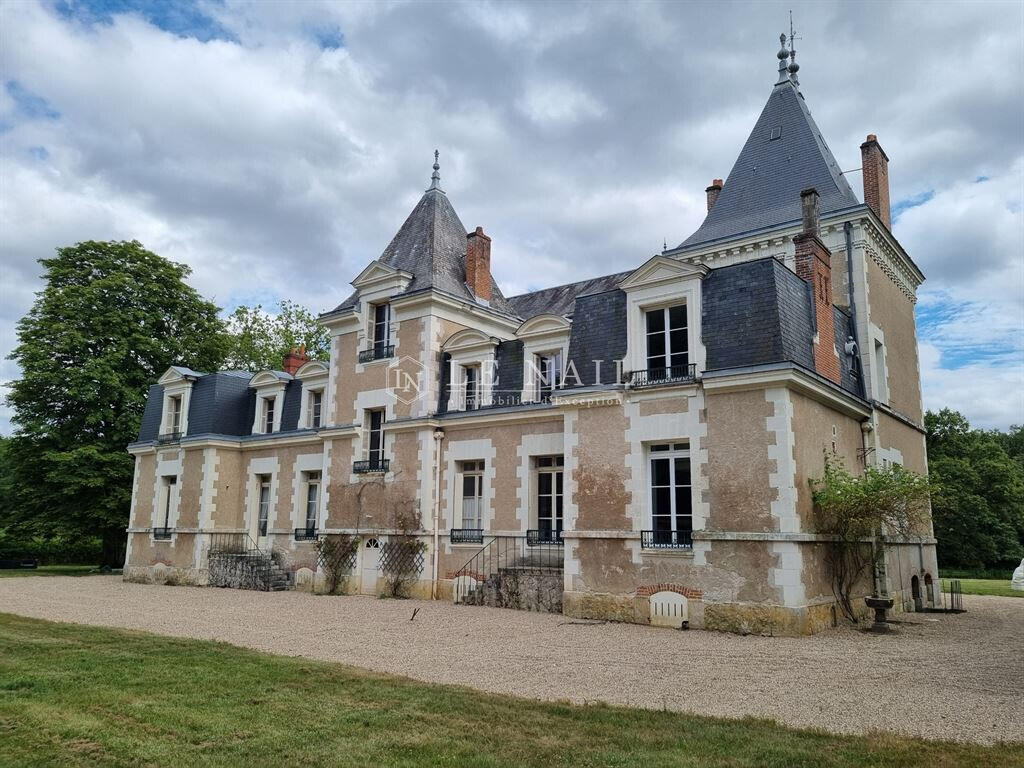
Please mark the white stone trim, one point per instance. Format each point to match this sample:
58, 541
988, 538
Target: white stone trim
371, 400
207, 502
661, 294
263, 466
540, 345
783, 479
570, 510
266, 392
469, 450
788, 575
550, 444
167, 468
307, 462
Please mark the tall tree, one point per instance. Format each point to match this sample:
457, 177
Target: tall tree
261, 339
111, 318
978, 512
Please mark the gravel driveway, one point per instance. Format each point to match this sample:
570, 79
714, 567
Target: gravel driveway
943, 676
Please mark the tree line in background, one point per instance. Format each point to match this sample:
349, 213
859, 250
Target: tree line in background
113, 316
110, 319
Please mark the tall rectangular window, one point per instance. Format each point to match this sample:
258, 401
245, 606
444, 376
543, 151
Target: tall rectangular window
381, 327
175, 405
263, 513
667, 351
316, 399
373, 442
312, 496
471, 384
268, 414
671, 502
472, 494
170, 482
548, 373
549, 496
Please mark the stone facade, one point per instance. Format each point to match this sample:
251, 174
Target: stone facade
671, 484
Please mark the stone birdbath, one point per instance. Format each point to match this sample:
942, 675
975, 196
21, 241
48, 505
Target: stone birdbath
880, 605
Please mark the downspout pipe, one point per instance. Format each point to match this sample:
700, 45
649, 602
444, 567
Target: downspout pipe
438, 440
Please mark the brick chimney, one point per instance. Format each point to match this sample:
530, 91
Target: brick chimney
875, 170
814, 264
478, 264
713, 191
295, 360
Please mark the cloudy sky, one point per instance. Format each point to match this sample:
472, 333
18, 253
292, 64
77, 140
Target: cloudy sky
277, 147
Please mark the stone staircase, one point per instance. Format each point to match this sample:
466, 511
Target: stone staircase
511, 573
235, 562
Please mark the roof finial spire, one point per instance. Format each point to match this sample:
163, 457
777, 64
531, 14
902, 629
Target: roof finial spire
435, 177
783, 56
793, 66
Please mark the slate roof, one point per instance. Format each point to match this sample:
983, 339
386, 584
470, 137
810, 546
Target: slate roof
431, 246
764, 185
561, 299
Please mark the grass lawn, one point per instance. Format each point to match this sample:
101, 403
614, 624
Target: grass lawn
48, 570
988, 587
76, 695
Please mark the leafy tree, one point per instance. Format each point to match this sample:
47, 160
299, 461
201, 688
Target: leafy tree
260, 340
111, 318
858, 513
978, 513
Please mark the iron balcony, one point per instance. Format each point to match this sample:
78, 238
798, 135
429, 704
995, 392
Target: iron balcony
672, 374
466, 536
666, 539
377, 352
371, 466
162, 534
305, 534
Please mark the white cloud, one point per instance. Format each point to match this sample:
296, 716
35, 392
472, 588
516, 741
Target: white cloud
579, 135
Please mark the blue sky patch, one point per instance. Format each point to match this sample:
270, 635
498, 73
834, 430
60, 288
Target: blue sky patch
911, 202
29, 104
179, 17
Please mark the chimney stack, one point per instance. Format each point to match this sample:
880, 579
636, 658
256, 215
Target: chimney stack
295, 359
478, 264
814, 264
875, 170
713, 192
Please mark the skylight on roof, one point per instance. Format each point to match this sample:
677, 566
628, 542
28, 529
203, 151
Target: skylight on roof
775, 134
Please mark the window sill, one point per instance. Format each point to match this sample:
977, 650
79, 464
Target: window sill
686, 554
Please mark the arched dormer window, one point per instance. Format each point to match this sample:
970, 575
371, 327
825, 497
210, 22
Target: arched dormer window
473, 369
269, 386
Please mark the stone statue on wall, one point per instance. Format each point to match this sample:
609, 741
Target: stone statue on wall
1017, 582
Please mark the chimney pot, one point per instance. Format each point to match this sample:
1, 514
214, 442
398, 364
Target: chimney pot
875, 171
295, 359
713, 192
478, 264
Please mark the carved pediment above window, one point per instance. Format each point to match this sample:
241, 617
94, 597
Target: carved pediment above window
546, 325
268, 379
659, 270
381, 278
312, 370
178, 374
468, 340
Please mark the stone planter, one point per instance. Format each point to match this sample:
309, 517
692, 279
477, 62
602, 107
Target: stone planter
880, 605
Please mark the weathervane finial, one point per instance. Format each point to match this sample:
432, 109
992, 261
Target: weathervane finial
435, 177
793, 66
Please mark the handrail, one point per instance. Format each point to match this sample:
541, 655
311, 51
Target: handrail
505, 553
666, 374
377, 352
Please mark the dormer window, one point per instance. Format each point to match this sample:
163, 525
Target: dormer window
314, 376
472, 370
268, 414
177, 384
667, 348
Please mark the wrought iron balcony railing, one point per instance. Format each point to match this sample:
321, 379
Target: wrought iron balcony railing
467, 536
168, 437
377, 352
536, 536
666, 539
371, 466
162, 534
672, 374
305, 534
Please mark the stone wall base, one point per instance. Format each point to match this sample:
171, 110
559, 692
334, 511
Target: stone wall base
165, 574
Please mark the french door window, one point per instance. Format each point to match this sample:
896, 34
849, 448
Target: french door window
667, 352
374, 437
472, 494
316, 399
381, 327
312, 495
549, 496
548, 367
176, 413
671, 503
471, 382
264, 508
268, 414
169, 483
